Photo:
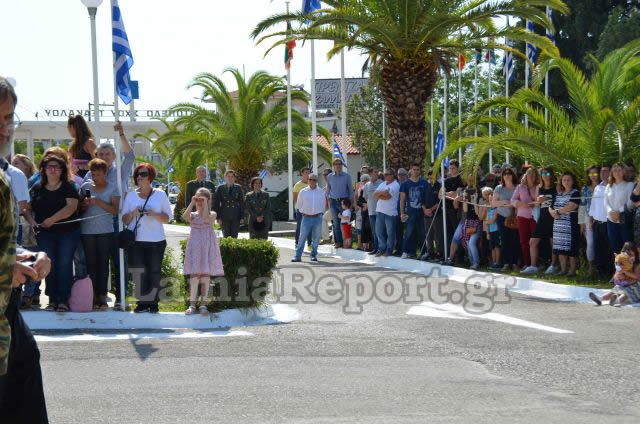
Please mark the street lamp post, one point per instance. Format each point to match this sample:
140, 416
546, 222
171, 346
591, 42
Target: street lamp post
92, 6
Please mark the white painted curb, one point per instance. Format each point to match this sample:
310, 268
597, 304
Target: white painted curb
270, 314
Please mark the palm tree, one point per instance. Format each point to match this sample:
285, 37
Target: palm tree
601, 126
408, 42
247, 129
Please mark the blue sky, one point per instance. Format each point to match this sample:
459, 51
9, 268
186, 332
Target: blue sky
49, 49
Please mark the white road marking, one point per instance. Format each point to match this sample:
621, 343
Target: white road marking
447, 310
138, 336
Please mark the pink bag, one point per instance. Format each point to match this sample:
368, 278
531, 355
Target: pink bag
81, 299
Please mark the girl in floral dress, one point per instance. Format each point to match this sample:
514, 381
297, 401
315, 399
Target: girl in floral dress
202, 258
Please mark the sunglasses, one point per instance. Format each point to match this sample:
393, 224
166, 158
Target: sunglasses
313, 179
52, 166
546, 174
386, 173
143, 174
593, 174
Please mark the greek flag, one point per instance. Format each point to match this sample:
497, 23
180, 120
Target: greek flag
507, 62
440, 145
337, 153
532, 49
264, 174
309, 6
550, 35
171, 169
123, 59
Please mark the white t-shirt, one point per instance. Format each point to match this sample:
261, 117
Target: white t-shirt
390, 206
149, 229
19, 189
346, 216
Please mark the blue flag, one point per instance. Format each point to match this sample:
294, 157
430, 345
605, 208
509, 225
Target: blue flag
507, 60
440, 145
337, 153
533, 50
309, 6
550, 35
123, 59
264, 174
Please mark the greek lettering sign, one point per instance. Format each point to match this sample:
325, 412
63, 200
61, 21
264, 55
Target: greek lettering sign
328, 91
111, 113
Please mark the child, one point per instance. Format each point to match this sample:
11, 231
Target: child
345, 223
493, 234
627, 287
202, 258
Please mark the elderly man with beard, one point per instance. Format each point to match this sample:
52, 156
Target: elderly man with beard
21, 392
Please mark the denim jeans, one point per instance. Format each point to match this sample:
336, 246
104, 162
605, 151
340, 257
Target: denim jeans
414, 231
60, 248
510, 242
309, 228
386, 232
618, 235
473, 248
80, 269
298, 216
336, 210
145, 263
374, 231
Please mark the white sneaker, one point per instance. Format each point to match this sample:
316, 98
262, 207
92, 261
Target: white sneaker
404, 256
551, 270
529, 270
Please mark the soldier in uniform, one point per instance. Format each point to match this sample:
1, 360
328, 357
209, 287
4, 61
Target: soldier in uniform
259, 209
199, 182
21, 392
229, 205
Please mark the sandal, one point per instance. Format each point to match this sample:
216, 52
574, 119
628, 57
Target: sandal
190, 310
204, 311
51, 307
62, 308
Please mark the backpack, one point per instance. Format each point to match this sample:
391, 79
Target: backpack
81, 299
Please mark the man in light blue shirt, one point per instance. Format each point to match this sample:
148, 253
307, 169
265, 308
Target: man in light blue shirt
338, 187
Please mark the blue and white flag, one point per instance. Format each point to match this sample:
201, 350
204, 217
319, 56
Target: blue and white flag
532, 53
337, 153
263, 174
123, 59
309, 6
507, 59
440, 145
550, 35
171, 169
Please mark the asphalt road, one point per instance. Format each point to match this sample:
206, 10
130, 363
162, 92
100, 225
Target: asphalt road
380, 366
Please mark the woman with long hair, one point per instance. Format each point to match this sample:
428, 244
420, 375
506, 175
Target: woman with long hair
524, 200
83, 146
54, 201
25, 164
617, 199
508, 236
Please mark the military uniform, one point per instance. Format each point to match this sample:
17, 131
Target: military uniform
229, 206
7, 261
193, 186
258, 204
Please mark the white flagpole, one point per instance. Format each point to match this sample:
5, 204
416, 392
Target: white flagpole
314, 122
444, 191
343, 102
546, 84
459, 106
384, 138
475, 90
116, 137
506, 76
490, 111
527, 71
432, 142
289, 139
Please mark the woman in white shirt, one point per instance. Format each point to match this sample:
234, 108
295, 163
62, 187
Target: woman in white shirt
144, 212
617, 196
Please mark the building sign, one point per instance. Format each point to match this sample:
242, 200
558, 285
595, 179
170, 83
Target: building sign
328, 91
111, 113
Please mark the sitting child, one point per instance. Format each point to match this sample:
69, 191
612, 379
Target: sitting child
627, 287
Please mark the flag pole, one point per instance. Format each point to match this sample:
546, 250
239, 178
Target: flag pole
343, 102
475, 90
314, 122
432, 143
444, 191
289, 139
507, 67
490, 110
116, 109
546, 76
384, 138
460, 65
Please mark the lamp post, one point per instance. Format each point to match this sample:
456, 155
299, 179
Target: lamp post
92, 6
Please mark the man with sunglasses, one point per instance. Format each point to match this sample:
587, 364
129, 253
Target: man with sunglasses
310, 204
339, 187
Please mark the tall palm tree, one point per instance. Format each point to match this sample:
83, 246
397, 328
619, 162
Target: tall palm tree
408, 42
602, 125
248, 127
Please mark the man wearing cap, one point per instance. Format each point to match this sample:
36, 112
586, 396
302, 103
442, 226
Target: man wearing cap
339, 187
311, 204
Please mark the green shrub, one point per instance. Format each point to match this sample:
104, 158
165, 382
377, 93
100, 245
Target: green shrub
248, 267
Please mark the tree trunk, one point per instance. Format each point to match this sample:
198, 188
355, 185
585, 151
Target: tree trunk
406, 87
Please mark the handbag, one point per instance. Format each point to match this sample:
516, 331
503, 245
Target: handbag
127, 237
511, 222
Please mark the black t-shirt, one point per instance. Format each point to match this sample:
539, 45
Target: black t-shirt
452, 184
431, 197
46, 203
471, 212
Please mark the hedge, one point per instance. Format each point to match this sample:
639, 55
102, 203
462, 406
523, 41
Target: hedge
248, 267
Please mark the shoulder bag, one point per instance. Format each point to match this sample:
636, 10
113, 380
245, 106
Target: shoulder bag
127, 237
